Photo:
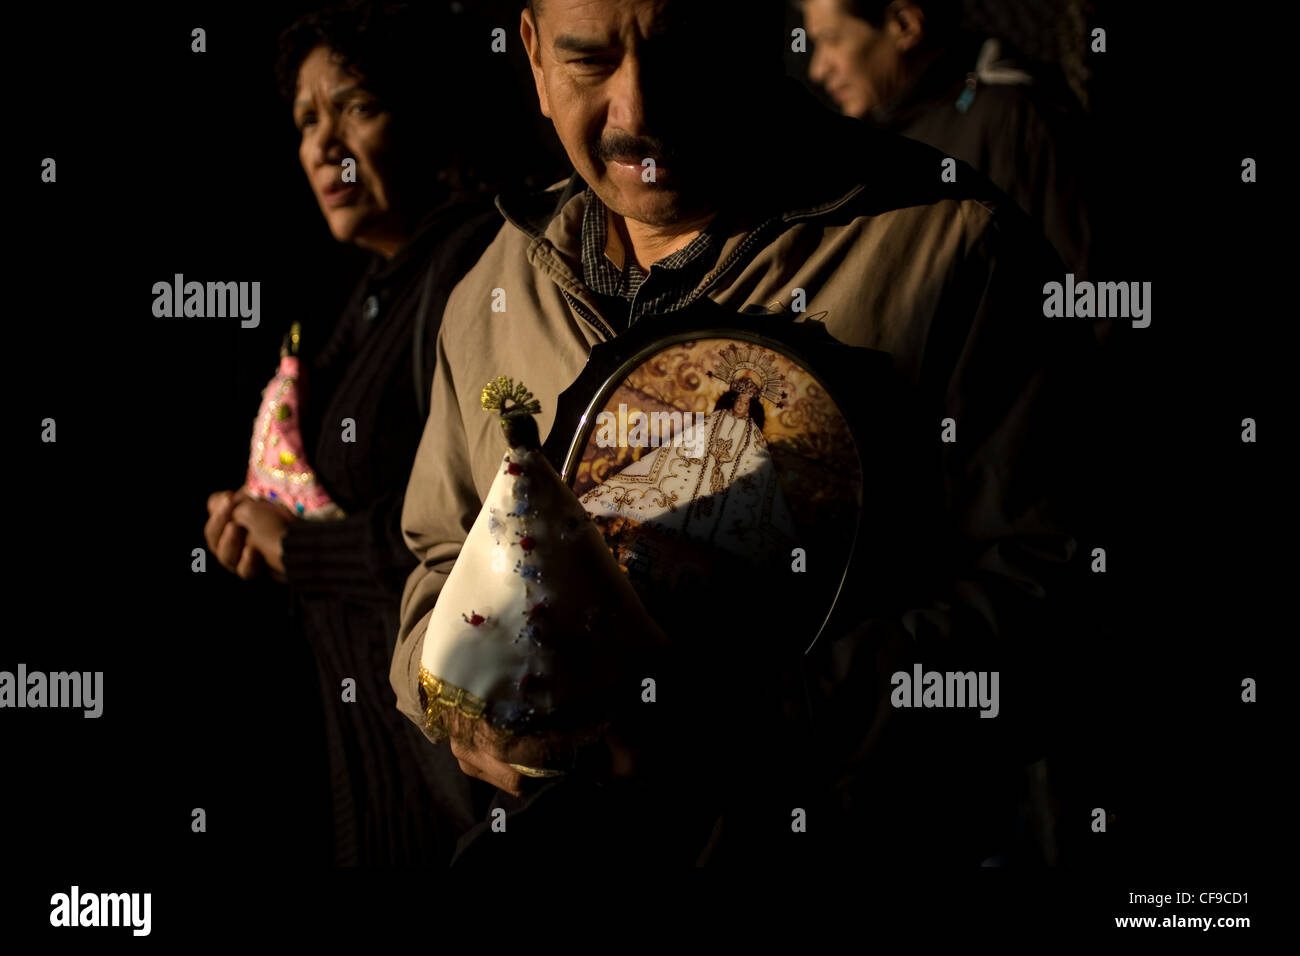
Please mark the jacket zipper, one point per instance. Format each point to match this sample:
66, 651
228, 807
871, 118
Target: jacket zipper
723, 269
755, 236
589, 315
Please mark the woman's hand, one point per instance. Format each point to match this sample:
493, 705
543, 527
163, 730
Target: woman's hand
226, 539
265, 525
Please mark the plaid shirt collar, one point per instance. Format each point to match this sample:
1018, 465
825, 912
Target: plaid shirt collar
667, 284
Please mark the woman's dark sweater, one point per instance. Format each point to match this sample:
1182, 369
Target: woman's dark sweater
396, 798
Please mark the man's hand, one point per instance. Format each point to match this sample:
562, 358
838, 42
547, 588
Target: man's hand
486, 756
265, 524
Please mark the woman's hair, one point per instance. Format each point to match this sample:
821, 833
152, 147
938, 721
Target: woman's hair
454, 103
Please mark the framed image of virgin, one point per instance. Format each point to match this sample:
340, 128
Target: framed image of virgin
715, 454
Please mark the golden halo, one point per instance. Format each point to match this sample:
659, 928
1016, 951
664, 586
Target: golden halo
734, 361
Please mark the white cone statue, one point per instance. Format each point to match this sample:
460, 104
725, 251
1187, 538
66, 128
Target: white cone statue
536, 620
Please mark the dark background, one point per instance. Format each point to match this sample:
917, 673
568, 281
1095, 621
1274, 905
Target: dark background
170, 161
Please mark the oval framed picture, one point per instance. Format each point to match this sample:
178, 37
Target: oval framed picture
721, 455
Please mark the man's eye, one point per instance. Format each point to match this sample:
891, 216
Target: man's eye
305, 121
361, 109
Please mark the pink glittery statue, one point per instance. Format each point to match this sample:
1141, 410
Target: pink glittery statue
277, 467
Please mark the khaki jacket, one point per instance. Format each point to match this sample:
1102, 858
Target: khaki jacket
945, 277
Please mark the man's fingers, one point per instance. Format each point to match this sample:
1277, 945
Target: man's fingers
506, 782
468, 769
511, 781
485, 767
217, 499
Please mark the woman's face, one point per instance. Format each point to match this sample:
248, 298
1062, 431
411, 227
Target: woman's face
341, 120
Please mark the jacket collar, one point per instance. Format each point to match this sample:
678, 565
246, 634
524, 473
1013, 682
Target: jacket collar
533, 213
837, 160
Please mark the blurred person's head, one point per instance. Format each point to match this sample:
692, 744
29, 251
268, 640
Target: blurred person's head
676, 82
376, 89
867, 52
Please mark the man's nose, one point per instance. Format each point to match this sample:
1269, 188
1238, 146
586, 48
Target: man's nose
627, 101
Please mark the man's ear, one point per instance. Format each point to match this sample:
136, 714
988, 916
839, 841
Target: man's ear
532, 38
907, 23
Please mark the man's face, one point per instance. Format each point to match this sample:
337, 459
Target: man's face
859, 65
626, 81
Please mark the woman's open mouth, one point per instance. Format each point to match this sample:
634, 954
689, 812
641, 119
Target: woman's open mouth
340, 194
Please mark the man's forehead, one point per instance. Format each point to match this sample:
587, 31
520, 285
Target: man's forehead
608, 20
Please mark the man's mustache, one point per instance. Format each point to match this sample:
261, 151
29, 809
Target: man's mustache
633, 149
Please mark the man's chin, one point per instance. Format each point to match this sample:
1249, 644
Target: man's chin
653, 206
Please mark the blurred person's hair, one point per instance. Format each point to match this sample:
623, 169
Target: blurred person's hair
942, 17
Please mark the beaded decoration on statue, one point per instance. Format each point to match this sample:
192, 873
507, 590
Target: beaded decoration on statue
277, 467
